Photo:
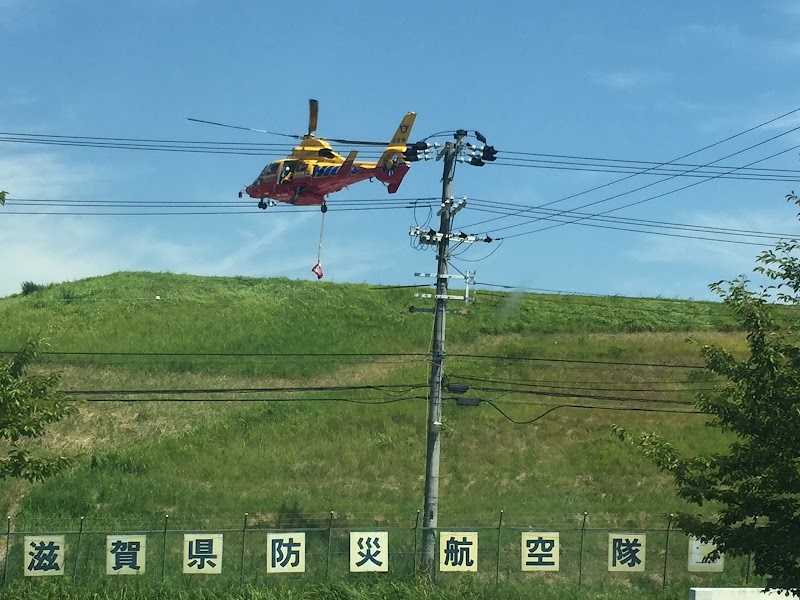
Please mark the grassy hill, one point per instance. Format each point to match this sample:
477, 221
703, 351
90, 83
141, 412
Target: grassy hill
357, 446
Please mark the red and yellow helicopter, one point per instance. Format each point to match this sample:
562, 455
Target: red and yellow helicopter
313, 169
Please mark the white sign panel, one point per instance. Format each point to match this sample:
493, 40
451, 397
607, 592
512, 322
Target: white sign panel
540, 551
44, 555
125, 554
202, 553
369, 551
698, 558
626, 552
286, 552
458, 551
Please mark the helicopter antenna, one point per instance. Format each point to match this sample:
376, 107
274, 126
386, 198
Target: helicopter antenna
313, 111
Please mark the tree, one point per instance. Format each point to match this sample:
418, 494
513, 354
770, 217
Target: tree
28, 404
754, 485
3, 198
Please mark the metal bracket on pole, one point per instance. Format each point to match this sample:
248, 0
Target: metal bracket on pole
468, 277
440, 296
415, 309
434, 238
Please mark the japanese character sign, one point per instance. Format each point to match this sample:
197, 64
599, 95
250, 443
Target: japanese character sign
540, 551
202, 553
286, 552
698, 558
458, 551
626, 552
44, 555
369, 551
125, 554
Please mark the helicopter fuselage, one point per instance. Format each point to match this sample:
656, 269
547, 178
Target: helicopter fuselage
309, 182
313, 170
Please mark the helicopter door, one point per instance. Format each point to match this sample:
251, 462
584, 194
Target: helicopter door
287, 171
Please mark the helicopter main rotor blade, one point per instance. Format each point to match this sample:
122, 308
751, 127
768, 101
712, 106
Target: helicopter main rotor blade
313, 110
294, 137
290, 136
357, 142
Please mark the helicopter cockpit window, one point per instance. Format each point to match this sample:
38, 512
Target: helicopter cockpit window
270, 169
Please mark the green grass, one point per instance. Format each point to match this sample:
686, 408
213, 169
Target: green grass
206, 464
377, 590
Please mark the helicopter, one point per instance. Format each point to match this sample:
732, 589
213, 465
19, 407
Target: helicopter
313, 169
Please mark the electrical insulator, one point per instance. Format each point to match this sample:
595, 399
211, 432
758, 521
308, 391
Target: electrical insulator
489, 153
410, 154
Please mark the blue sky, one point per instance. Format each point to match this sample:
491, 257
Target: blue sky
629, 80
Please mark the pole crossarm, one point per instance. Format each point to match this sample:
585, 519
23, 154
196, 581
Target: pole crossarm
434, 238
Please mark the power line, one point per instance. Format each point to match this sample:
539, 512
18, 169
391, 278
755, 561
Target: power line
191, 146
645, 162
667, 193
703, 149
574, 361
746, 176
192, 213
279, 151
281, 399
583, 406
245, 207
206, 208
542, 382
630, 220
559, 385
567, 221
226, 354
570, 293
623, 302
356, 354
552, 394
194, 203
746, 131
189, 391
603, 164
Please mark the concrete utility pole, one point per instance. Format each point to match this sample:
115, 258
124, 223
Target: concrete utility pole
431, 508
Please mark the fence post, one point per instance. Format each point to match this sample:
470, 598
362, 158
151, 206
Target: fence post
750, 557
666, 551
330, 536
244, 536
164, 555
77, 553
499, 534
8, 549
580, 559
416, 535
747, 573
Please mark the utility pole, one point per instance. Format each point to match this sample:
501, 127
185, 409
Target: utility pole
453, 152
430, 518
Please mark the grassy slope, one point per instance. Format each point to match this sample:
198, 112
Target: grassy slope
335, 448
209, 463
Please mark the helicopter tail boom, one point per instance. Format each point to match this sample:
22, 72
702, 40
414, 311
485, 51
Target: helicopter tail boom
393, 154
393, 176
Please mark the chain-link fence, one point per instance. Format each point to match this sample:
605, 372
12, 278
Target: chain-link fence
643, 551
